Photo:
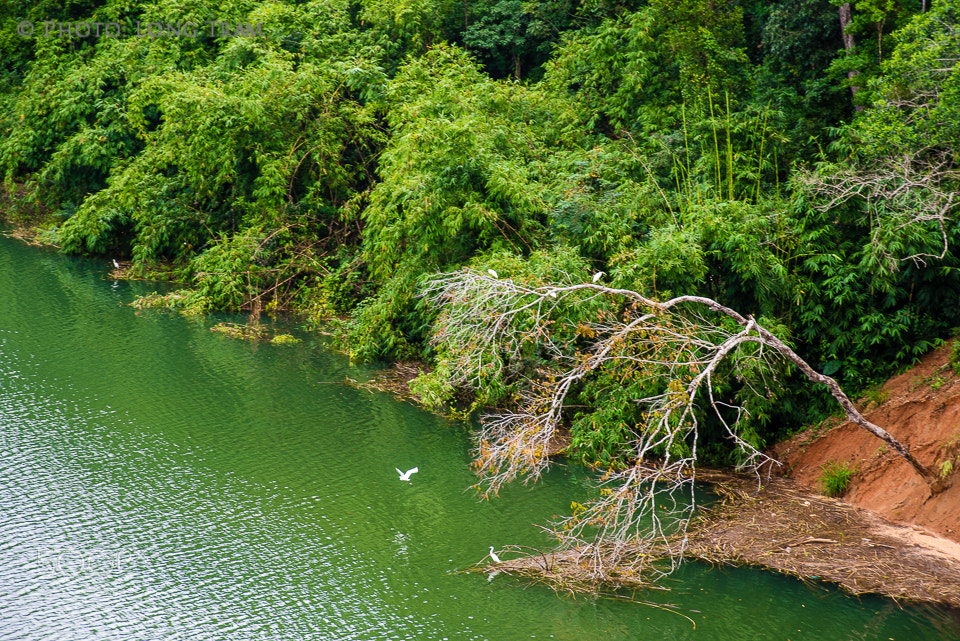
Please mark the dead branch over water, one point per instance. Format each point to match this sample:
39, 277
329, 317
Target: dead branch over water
637, 525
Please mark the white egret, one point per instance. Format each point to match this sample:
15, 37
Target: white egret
492, 273
598, 276
405, 476
493, 555
116, 264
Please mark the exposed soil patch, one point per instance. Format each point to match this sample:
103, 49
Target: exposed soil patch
921, 408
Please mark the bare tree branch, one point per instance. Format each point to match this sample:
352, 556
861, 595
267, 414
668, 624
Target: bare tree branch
488, 323
906, 192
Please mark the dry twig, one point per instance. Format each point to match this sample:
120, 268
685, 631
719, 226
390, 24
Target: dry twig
680, 342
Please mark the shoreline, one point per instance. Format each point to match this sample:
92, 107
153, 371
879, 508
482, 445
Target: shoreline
780, 527
783, 528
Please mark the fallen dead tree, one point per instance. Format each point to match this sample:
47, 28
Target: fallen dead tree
676, 348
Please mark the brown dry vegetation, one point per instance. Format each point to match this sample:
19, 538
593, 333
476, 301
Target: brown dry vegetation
784, 528
395, 380
881, 538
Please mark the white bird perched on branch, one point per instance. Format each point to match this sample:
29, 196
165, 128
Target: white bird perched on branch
654, 340
405, 476
492, 273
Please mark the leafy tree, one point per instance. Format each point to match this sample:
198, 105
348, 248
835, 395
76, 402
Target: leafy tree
408, 26
884, 209
333, 161
501, 36
705, 38
459, 176
867, 27
163, 148
618, 76
794, 47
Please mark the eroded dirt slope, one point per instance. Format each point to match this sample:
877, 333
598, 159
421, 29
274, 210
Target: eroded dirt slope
921, 408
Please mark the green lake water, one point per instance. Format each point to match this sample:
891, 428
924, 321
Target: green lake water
159, 481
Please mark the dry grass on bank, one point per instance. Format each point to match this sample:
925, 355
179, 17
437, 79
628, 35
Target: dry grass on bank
395, 380
780, 527
783, 528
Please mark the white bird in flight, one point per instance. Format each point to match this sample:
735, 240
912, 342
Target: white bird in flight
405, 476
493, 555
492, 273
598, 276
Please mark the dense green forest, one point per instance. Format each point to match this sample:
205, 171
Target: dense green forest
326, 156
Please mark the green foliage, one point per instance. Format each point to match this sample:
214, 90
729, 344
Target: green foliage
330, 164
240, 159
705, 38
860, 326
502, 37
859, 330
617, 76
180, 301
945, 468
874, 26
459, 176
950, 456
835, 477
596, 206
915, 100
862, 309
954, 358
496, 376
877, 395
795, 44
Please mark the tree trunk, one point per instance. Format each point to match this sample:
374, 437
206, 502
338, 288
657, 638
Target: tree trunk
846, 15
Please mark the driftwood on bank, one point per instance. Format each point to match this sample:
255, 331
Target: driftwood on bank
780, 527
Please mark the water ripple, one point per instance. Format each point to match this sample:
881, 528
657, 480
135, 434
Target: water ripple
158, 481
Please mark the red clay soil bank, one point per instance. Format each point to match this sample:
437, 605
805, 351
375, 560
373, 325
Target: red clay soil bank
921, 408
